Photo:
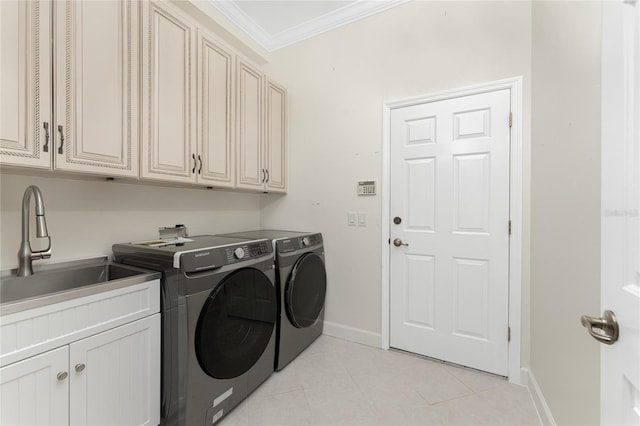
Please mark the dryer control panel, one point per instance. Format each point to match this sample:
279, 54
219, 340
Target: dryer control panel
298, 243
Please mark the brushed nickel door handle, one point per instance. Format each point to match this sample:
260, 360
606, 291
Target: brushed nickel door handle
398, 242
605, 329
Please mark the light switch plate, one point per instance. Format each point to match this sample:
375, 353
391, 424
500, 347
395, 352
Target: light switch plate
352, 218
362, 219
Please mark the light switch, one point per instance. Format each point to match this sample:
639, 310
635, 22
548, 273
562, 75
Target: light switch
352, 218
362, 219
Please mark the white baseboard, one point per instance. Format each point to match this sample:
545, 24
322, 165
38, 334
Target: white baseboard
353, 334
529, 380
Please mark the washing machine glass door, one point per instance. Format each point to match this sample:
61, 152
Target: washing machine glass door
305, 290
236, 324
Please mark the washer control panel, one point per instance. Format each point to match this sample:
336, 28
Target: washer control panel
247, 251
215, 257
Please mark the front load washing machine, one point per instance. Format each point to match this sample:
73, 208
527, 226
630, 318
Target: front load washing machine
219, 313
302, 285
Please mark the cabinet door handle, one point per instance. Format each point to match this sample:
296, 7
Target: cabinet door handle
80, 367
193, 156
200, 162
61, 131
267, 173
62, 375
264, 175
45, 148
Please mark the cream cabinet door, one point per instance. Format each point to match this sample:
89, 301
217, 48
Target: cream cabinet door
96, 87
115, 376
250, 129
275, 157
168, 94
35, 391
25, 83
215, 112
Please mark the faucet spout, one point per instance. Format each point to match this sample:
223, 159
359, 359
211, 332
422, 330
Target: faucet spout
25, 254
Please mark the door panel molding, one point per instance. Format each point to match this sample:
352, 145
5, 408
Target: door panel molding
471, 123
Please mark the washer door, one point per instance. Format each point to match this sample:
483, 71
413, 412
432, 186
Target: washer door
236, 324
305, 290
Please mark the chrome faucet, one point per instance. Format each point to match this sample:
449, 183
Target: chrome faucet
25, 255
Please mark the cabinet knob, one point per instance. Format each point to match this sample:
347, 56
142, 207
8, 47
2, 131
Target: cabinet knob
62, 375
80, 367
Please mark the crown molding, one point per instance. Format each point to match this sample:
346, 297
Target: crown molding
271, 42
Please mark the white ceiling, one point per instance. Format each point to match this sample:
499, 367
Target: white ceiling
275, 24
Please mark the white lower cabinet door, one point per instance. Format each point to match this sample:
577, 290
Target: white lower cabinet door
115, 376
35, 391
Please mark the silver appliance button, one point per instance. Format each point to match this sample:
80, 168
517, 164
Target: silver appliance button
238, 253
306, 241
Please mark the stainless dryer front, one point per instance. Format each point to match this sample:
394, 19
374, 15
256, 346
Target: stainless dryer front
302, 286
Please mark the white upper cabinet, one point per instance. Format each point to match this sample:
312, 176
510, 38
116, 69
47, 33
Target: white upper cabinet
215, 112
250, 128
276, 138
94, 94
96, 87
168, 94
138, 89
25, 83
261, 137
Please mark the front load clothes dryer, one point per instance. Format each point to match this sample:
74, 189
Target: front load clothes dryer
302, 285
219, 314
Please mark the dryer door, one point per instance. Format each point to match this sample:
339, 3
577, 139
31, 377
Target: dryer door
305, 290
236, 324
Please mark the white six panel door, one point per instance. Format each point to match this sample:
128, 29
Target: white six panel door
450, 189
620, 220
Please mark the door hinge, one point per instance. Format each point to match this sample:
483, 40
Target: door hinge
509, 226
508, 334
389, 241
510, 119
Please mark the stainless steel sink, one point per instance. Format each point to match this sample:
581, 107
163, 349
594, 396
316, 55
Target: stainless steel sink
58, 282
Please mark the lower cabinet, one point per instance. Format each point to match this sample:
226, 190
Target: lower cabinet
35, 391
110, 378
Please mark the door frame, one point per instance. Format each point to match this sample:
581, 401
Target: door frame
515, 207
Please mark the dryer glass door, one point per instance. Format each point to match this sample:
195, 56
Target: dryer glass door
305, 290
236, 324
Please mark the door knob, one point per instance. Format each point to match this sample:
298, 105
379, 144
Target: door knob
398, 242
605, 329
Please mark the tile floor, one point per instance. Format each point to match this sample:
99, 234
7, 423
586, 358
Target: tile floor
335, 382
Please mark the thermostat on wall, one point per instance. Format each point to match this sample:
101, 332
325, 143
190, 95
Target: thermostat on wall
367, 187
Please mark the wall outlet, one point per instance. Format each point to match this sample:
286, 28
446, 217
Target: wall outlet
362, 219
352, 218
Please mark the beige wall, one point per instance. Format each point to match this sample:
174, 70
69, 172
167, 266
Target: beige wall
85, 218
565, 224
338, 83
